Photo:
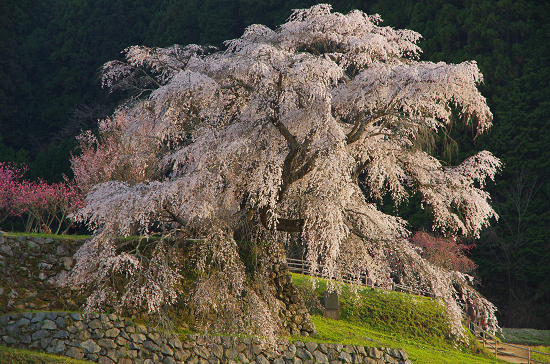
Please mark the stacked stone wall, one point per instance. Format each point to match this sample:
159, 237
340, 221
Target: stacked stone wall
29, 267
109, 339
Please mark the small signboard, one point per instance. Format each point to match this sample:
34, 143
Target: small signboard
331, 300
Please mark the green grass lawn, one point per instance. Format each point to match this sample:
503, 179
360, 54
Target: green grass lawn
392, 319
342, 331
526, 336
21, 356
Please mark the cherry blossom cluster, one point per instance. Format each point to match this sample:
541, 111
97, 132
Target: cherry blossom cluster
44, 207
298, 131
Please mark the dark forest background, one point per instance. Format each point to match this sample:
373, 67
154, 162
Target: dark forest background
50, 52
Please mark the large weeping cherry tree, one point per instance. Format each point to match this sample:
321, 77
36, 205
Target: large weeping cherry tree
294, 132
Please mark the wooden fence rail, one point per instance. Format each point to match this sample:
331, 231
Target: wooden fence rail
492, 343
304, 267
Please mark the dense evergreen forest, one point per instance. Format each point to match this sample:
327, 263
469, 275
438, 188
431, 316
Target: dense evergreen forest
50, 52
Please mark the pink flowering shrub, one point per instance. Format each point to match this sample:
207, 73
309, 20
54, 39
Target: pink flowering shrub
44, 207
446, 253
9, 189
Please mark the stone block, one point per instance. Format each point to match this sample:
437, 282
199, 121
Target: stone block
23, 322
154, 337
231, 353
26, 339
113, 355
149, 345
13, 330
90, 347
138, 338
403, 355
242, 358
260, 359
49, 325
75, 353
345, 357
107, 343
112, 332
56, 347
376, 353
169, 360
45, 342
60, 321
303, 354
175, 343
390, 359
51, 316
216, 350
9, 340
40, 334
105, 360
350, 348
6, 250
61, 334
132, 345
4, 320
256, 349
320, 357
121, 341
80, 325
360, 350
124, 335
95, 324
311, 346
144, 353
76, 316
82, 335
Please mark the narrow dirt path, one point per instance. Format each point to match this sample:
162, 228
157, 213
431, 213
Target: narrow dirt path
507, 351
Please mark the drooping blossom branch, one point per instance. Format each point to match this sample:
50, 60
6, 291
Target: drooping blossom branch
294, 130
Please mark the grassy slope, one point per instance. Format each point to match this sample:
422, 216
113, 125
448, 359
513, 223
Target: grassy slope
392, 319
20, 356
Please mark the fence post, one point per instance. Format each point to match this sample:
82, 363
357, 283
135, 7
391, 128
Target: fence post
496, 347
528, 355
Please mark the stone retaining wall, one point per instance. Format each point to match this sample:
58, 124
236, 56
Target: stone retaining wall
29, 268
31, 265
110, 339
